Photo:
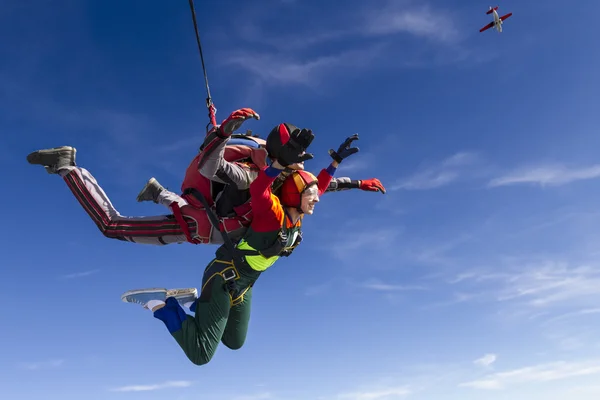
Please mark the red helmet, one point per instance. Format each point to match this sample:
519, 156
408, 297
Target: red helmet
293, 187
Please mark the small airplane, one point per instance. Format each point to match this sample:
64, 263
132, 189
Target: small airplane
497, 22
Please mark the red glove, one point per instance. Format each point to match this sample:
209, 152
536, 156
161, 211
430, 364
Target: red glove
235, 120
372, 185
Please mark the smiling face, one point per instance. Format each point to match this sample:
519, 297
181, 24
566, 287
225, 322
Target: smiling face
309, 199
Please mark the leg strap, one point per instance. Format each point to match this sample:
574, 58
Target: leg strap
195, 238
230, 275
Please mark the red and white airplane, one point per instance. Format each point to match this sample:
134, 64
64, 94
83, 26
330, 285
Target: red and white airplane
497, 22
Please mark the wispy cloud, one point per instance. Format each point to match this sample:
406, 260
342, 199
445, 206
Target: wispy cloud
420, 21
281, 69
42, 364
383, 394
283, 57
565, 339
574, 314
549, 175
388, 18
534, 287
436, 252
80, 274
374, 284
145, 388
317, 289
353, 165
552, 283
371, 284
376, 240
536, 373
186, 143
441, 174
457, 298
486, 360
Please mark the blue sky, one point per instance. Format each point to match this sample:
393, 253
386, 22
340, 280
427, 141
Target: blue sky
476, 276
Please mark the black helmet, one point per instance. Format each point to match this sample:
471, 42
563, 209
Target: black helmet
278, 137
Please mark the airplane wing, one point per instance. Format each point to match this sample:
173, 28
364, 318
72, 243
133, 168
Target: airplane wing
505, 16
488, 26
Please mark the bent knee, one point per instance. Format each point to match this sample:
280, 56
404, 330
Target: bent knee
233, 344
200, 360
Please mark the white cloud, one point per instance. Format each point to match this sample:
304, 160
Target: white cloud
386, 287
458, 298
552, 283
540, 285
486, 360
549, 175
277, 68
394, 18
288, 63
144, 388
536, 373
377, 240
317, 289
383, 394
42, 364
460, 159
354, 164
573, 314
427, 180
80, 274
397, 17
435, 176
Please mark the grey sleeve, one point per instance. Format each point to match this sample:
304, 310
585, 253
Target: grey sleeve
342, 183
214, 166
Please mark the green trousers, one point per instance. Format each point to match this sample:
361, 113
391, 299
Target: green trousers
221, 315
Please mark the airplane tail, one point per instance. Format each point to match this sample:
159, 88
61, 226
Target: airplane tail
491, 10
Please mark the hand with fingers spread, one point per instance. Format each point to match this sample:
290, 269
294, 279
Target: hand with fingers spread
235, 120
371, 185
344, 150
294, 150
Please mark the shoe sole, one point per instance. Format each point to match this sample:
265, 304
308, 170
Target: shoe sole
140, 291
36, 156
150, 182
182, 292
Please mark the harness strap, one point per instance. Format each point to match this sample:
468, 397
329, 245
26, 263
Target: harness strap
275, 186
229, 273
233, 252
183, 224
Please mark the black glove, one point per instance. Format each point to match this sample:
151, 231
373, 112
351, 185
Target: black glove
294, 151
345, 150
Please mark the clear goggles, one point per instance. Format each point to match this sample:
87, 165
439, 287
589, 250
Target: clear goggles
311, 191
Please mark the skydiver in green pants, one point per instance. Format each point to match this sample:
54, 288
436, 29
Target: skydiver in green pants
222, 312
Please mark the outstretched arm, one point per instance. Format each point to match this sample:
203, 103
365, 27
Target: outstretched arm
345, 183
325, 176
212, 163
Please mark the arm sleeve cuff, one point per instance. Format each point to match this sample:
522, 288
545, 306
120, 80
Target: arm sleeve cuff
272, 171
331, 169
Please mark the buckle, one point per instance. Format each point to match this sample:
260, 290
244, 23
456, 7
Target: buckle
237, 300
230, 277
